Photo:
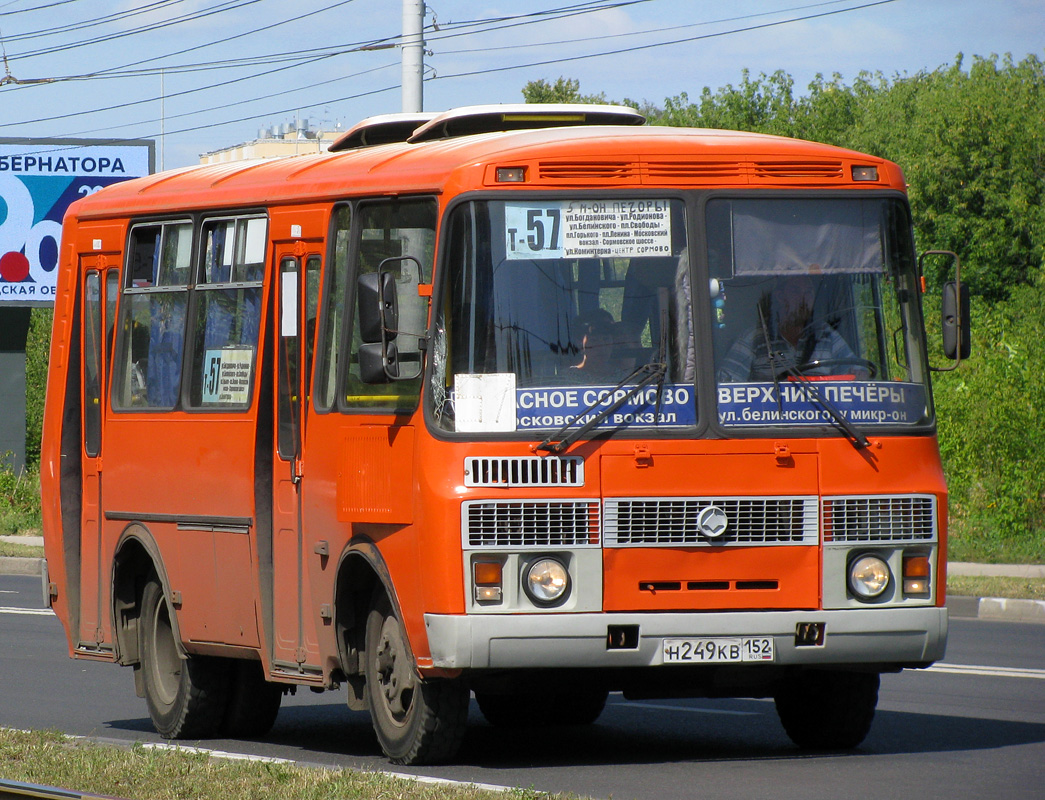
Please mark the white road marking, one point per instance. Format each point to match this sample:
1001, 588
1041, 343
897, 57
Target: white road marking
689, 709
991, 672
31, 611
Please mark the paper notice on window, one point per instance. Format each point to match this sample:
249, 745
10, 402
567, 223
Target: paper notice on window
587, 229
226, 376
485, 402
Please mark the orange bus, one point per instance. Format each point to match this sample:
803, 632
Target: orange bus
530, 403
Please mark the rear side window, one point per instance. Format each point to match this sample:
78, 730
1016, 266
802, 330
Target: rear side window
152, 337
227, 312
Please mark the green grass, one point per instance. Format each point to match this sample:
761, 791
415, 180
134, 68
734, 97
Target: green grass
20, 550
19, 501
1011, 588
139, 773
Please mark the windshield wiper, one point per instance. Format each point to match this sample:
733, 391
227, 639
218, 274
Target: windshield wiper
654, 371
852, 433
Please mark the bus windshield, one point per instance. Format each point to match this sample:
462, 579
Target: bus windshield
552, 304
815, 301
557, 308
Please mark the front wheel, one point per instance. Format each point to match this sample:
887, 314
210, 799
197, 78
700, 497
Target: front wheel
186, 696
578, 706
416, 721
828, 710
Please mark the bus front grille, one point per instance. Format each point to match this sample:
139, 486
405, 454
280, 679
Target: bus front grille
530, 523
688, 521
879, 518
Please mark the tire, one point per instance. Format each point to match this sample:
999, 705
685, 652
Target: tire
416, 721
187, 697
828, 710
253, 702
581, 706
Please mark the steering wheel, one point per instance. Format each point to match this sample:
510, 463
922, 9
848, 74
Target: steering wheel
827, 363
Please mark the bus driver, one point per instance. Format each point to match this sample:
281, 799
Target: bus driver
788, 340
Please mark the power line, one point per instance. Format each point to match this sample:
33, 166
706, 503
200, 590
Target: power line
520, 19
304, 57
684, 40
89, 23
628, 34
226, 5
34, 8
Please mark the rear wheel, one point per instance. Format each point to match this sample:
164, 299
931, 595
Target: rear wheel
580, 706
417, 722
828, 710
186, 696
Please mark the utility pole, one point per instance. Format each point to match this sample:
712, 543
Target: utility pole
413, 54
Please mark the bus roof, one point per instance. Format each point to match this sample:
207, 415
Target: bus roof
611, 156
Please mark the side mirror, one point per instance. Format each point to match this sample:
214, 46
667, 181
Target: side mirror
957, 344
378, 304
378, 307
378, 362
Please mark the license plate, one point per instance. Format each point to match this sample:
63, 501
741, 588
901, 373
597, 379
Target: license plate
719, 650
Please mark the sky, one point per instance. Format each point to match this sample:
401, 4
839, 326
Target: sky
201, 75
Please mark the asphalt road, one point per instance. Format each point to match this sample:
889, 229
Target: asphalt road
973, 726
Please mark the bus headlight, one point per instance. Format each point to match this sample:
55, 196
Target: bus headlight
546, 581
868, 577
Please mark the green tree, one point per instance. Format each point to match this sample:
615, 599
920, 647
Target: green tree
564, 90
766, 104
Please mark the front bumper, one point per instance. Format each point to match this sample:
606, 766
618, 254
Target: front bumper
879, 636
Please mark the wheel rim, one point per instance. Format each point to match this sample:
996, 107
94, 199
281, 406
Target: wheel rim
394, 673
166, 665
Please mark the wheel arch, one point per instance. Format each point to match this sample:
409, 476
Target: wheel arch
137, 560
361, 571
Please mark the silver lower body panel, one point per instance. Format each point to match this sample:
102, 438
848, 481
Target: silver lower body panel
881, 636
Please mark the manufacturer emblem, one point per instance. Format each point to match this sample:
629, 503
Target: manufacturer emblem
712, 521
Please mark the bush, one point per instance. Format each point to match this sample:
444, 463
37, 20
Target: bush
991, 436
20, 501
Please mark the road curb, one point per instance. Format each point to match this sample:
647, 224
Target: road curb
999, 608
13, 565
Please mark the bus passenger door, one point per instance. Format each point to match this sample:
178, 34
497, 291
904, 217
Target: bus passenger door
295, 646
97, 317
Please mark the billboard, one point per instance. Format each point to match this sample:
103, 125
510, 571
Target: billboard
39, 179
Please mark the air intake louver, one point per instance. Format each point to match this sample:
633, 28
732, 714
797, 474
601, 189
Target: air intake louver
524, 471
803, 170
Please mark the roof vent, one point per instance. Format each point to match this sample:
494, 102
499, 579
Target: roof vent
489, 119
382, 129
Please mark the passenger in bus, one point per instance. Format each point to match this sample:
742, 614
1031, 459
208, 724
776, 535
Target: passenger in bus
788, 338
601, 339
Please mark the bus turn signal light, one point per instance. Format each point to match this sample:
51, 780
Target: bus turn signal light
487, 578
865, 173
916, 572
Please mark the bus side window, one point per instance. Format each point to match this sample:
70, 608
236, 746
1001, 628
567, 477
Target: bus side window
227, 313
325, 385
403, 231
152, 317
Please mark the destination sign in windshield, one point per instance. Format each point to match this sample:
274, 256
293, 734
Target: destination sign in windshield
789, 403
587, 229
